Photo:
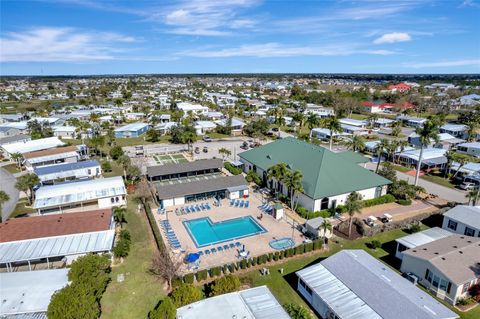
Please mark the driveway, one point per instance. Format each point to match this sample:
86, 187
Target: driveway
8, 186
449, 194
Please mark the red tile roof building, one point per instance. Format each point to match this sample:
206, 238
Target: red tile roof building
401, 87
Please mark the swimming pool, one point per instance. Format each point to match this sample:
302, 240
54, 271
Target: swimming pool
282, 243
204, 232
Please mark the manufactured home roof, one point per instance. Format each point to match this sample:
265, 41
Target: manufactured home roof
14, 138
29, 291
33, 145
354, 157
200, 165
49, 152
423, 237
202, 186
358, 286
56, 246
133, 127
78, 191
455, 256
468, 215
253, 303
64, 170
55, 225
324, 173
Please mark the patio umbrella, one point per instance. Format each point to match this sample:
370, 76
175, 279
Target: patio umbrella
192, 257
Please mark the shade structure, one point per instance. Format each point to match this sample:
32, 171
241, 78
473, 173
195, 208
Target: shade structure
192, 257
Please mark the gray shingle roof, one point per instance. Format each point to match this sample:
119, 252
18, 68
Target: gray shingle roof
199, 165
202, 186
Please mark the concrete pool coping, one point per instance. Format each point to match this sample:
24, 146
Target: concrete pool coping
194, 239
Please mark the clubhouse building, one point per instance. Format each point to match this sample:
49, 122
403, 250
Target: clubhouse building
328, 177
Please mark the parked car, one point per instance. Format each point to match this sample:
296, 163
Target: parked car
370, 221
207, 138
386, 218
244, 146
467, 186
205, 149
197, 150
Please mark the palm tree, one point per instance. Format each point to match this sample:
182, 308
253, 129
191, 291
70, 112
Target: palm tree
277, 172
356, 143
401, 146
312, 120
189, 137
379, 150
293, 182
461, 159
16, 157
124, 161
428, 132
372, 118
119, 215
333, 125
450, 155
472, 130
225, 153
353, 205
473, 196
3, 199
325, 225
25, 183
392, 149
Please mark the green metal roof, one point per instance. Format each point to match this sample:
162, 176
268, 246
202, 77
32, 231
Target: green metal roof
354, 157
324, 173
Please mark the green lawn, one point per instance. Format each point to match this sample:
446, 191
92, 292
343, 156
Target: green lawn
401, 168
117, 170
284, 286
11, 168
140, 291
22, 209
438, 180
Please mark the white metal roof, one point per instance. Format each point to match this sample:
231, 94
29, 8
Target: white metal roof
468, 215
423, 237
428, 153
131, 127
52, 157
353, 122
33, 145
29, 291
57, 246
254, 303
78, 191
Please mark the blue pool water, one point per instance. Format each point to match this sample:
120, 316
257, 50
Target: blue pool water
204, 232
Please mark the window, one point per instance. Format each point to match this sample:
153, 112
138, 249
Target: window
112, 200
309, 291
452, 225
428, 275
324, 203
443, 284
469, 231
436, 279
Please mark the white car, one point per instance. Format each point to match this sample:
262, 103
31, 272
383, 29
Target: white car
467, 186
370, 221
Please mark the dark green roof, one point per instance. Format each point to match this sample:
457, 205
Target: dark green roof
354, 157
324, 173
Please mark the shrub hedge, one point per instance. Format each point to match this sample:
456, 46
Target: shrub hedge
232, 169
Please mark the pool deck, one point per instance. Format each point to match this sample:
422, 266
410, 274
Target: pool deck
256, 244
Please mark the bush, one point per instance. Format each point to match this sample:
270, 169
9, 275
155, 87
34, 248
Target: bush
154, 227
116, 152
185, 294
189, 278
231, 268
232, 169
226, 284
166, 310
270, 257
297, 312
299, 250
385, 199
404, 202
276, 256
215, 272
465, 301
254, 177
317, 244
308, 247
414, 228
122, 246
202, 275
254, 261
374, 244
263, 259
106, 166
243, 264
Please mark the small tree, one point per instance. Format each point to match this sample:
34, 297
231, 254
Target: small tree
325, 226
116, 152
106, 166
26, 183
297, 312
186, 294
119, 215
153, 135
166, 310
3, 199
226, 284
73, 301
224, 152
165, 267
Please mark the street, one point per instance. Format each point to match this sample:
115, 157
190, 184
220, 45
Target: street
8, 186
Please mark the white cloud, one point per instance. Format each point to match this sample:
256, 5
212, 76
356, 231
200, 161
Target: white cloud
273, 50
393, 37
443, 64
59, 45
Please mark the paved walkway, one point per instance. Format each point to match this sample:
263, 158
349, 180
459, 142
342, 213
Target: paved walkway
449, 194
7, 185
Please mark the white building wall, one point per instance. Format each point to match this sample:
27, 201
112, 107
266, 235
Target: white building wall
460, 227
107, 202
179, 201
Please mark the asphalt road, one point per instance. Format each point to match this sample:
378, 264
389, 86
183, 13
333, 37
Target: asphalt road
7, 184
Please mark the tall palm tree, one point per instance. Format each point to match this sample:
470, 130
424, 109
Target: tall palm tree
450, 155
189, 137
462, 160
353, 205
392, 149
379, 150
312, 120
125, 162
325, 225
356, 143
277, 172
3, 199
401, 146
473, 196
293, 181
333, 125
427, 133
372, 118
472, 130
16, 157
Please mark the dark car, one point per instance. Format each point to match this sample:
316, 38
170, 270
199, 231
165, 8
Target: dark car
244, 146
205, 149
197, 150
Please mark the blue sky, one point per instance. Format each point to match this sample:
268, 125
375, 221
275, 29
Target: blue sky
239, 36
